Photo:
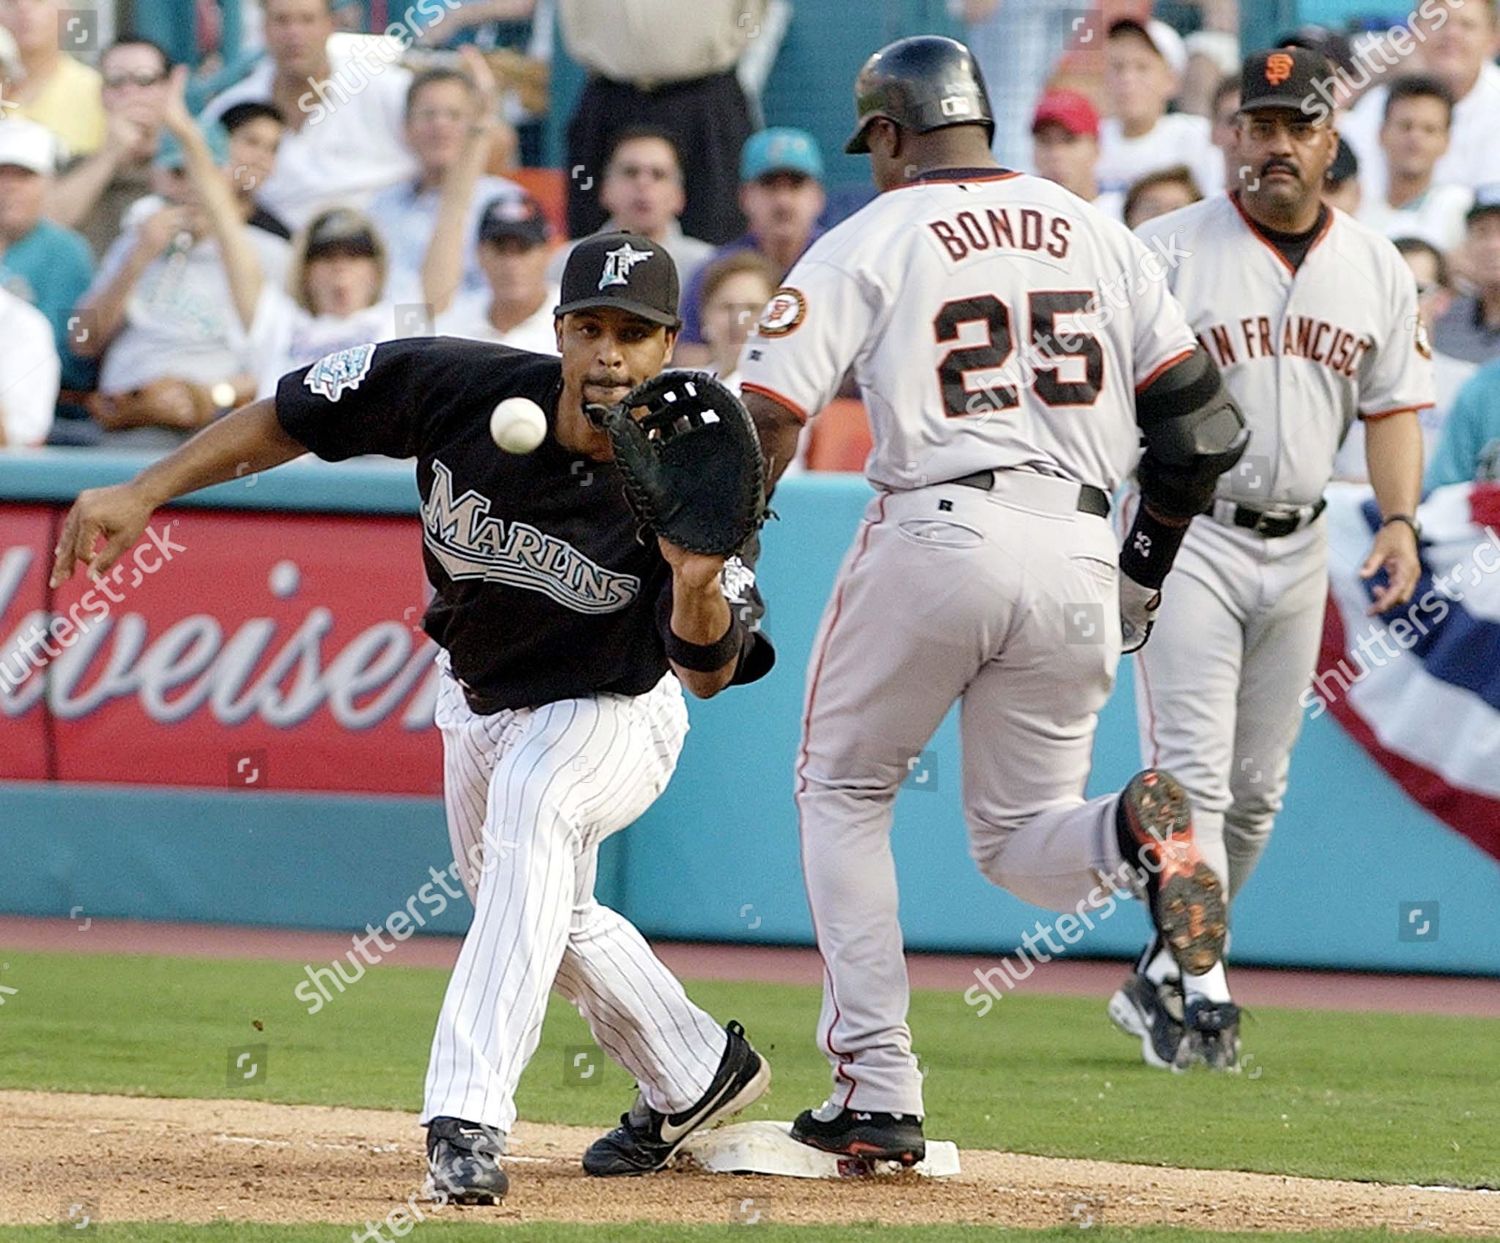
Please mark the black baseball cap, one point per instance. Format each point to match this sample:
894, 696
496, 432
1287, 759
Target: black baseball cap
516, 217
623, 270
1283, 77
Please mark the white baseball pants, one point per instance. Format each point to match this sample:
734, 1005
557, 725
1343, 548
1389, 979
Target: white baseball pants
530, 794
1218, 687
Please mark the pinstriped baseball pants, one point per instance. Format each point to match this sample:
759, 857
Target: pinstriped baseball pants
530, 794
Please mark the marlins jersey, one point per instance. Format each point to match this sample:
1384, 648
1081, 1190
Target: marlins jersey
543, 588
1305, 350
992, 320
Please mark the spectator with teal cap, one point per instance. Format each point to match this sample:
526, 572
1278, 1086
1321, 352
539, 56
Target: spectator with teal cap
782, 196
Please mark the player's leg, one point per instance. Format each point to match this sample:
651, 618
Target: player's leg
1029, 715
559, 771
1281, 653
1186, 688
912, 612
690, 1071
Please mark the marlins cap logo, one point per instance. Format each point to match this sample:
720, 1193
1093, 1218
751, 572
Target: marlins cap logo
617, 265
1278, 68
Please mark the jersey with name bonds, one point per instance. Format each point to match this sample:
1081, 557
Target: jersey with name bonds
544, 587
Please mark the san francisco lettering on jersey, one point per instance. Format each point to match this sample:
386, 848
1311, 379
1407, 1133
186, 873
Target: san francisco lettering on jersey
979, 230
1302, 336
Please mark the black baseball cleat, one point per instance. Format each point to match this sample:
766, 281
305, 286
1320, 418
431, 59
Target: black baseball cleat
645, 1140
1153, 1014
462, 1162
1154, 823
857, 1133
1210, 1036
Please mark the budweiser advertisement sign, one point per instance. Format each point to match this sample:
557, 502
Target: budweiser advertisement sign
231, 650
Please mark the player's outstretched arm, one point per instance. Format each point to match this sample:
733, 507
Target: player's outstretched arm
778, 428
249, 440
703, 628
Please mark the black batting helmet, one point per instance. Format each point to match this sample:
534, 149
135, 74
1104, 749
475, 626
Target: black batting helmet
921, 83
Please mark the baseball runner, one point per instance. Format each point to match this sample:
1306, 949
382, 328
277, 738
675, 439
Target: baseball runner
1312, 318
988, 539
566, 641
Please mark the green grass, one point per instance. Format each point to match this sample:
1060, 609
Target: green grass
455, 1232
1405, 1099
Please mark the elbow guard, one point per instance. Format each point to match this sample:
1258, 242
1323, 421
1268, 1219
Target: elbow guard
1193, 433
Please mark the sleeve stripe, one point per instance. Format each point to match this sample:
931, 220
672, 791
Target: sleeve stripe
1384, 414
1166, 366
772, 395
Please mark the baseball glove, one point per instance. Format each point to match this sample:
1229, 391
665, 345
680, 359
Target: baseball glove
692, 466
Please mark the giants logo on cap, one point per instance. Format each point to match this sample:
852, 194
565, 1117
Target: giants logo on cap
1278, 68
617, 265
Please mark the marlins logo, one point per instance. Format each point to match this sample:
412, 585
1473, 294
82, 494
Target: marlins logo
617, 265
337, 374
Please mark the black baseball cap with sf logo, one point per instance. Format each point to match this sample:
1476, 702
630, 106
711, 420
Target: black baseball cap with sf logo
1284, 77
622, 270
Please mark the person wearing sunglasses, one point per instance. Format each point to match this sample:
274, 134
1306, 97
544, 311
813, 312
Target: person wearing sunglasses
94, 192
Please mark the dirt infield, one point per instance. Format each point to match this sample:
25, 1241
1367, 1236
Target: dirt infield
141, 1159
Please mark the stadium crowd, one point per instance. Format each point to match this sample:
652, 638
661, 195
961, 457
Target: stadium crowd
361, 171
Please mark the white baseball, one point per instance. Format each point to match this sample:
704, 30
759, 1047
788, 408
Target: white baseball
518, 425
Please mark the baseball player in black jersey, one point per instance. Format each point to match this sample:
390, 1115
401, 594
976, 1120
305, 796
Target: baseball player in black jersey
566, 638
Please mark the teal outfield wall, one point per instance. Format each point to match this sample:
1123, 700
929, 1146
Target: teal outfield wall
716, 858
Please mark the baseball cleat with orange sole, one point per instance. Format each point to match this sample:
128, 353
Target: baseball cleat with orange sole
857, 1133
1187, 899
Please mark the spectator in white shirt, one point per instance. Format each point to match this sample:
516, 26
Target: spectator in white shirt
1457, 45
30, 373
516, 307
1143, 69
441, 105
643, 193
1065, 148
334, 301
1414, 137
343, 100
176, 296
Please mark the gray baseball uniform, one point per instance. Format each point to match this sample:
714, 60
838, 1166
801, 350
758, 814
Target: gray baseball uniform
995, 323
1304, 352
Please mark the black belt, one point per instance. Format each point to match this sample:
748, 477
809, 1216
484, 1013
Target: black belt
1091, 500
1273, 525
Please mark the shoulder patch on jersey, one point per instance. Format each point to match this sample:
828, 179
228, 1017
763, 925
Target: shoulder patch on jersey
1423, 342
336, 374
784, 313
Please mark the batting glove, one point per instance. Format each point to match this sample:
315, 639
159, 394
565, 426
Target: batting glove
1138, 607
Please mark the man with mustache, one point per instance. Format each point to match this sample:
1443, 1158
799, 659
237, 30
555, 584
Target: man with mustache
566, 643
1312, 318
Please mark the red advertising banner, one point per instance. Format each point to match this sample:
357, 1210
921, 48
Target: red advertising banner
239, 650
